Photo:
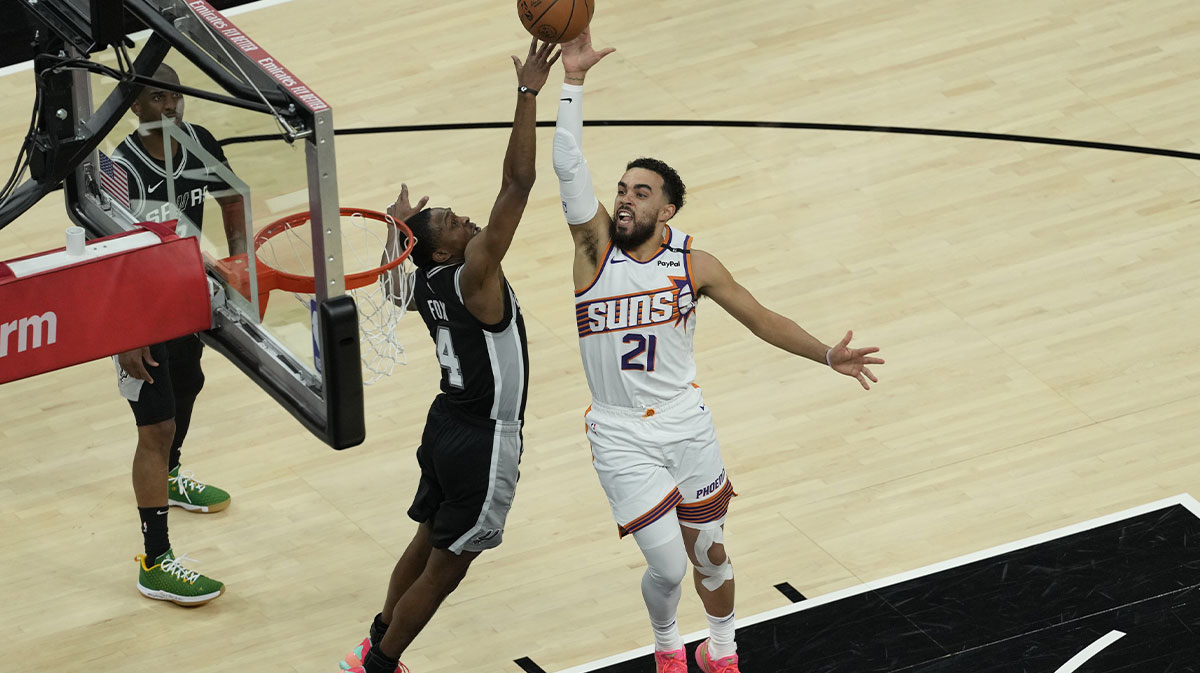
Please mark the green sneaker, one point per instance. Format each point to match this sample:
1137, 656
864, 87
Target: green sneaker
184, 491
169, 580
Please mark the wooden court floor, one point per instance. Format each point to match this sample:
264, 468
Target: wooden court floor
1038, 307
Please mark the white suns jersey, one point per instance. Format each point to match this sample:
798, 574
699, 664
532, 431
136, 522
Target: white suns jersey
636, 321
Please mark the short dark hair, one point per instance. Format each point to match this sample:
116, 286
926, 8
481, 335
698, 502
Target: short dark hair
673, 186
163, 72
422, 229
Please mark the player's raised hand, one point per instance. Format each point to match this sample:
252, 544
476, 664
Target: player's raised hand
853, 361
401, 210
578, 56
536, 69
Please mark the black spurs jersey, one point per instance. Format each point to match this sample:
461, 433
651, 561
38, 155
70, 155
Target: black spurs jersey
485, 368
193, 177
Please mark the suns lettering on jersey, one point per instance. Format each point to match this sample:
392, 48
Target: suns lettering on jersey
655, 307
636, 321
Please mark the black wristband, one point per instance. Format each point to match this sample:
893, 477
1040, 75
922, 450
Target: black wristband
525, 89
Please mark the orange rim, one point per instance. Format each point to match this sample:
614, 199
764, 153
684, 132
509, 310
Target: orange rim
292, 282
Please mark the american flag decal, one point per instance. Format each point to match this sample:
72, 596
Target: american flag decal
114, 180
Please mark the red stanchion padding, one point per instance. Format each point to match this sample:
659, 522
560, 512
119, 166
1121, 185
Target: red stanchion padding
130, 290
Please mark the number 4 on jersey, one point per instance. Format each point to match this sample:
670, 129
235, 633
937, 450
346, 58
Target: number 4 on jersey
448, 358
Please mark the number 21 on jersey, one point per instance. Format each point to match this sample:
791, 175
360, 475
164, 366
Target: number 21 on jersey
642, 345
448, 358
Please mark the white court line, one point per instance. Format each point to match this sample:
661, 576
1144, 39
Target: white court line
16, 67
1183, 499
1187, 501
232, 11
251, 6
1090, 651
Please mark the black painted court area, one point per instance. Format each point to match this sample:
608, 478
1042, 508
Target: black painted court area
1028, 610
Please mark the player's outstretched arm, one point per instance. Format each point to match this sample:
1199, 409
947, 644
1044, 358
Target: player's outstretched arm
485, 252
714, 280
589, 219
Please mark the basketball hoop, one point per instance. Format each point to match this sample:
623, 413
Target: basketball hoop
374, 259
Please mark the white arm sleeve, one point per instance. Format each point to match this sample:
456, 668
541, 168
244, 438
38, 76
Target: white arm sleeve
570, 111
574, 180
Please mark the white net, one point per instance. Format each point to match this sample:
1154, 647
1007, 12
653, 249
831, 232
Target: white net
367, 243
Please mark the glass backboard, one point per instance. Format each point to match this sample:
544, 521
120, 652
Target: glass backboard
229, 86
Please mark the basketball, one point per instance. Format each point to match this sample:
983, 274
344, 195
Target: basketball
555, 20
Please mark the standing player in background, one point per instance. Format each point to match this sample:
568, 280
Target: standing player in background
162, 381
638, 282
471, 446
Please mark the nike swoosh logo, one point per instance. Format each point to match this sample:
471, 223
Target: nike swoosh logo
616, 261
156, 185
569, 100
161, 512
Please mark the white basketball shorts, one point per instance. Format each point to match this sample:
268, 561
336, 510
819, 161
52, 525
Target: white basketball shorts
654, 460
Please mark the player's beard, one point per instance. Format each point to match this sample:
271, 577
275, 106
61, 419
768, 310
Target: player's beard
641, 232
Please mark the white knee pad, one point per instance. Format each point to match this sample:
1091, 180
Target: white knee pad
714, 574
665, 568
666, 557
574, 180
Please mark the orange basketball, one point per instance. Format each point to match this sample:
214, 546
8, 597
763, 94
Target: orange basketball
555, 20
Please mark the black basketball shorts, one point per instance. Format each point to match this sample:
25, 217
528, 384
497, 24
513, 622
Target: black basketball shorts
178, 376
469, 472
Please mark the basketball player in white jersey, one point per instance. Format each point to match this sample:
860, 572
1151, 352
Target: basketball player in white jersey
638, 281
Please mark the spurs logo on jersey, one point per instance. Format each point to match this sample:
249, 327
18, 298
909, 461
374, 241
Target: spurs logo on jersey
635, 325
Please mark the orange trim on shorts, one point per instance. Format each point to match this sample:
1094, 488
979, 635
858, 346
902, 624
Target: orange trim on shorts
710, 509
657, 512
591, 448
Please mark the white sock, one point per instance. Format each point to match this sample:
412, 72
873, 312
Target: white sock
720, 636
662, 599
667, 638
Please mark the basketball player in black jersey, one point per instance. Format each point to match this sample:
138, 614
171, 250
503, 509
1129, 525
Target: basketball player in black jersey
471, 443
141, 155
162, 381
